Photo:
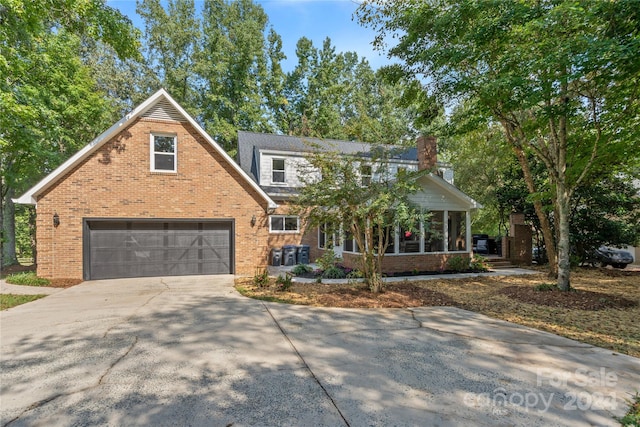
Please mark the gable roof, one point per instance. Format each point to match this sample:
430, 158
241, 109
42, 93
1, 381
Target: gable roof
454, 191
250, 143
159, 106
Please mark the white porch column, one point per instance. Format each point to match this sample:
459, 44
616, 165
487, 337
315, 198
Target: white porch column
421, 236
445, 225
469, 238
396, 239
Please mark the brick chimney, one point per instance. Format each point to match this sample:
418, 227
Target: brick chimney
427, 152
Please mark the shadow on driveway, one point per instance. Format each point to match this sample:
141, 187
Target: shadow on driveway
191, 351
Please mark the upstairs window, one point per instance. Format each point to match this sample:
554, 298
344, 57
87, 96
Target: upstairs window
365, 175
163, 153
277, 171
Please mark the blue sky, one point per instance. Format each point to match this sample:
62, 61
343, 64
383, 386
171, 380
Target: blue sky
293, 19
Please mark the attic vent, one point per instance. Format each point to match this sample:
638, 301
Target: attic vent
163, 110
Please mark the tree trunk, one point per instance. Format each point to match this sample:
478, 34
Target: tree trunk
547, 233
9, 230
564, 249
32, 234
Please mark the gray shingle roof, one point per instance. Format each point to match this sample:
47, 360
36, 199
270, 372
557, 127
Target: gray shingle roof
250, 143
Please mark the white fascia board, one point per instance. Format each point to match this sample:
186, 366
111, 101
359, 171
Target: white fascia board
236, 166
454, 191
29, 198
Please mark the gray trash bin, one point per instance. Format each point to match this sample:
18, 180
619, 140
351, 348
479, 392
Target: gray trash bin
303, 254
289, 255
276, 256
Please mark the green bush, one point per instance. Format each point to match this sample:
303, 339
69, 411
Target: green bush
283, 282
542, 287
27, 278
261, 278
334, 273
355, 274
479, 263
301, 269
458, 263
327, 260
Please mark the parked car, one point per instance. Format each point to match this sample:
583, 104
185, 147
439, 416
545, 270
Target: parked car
617, 258
539, 255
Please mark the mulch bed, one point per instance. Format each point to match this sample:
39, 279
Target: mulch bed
394, 296
574, 299
63, 283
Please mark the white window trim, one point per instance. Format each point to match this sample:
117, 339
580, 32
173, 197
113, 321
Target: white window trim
284, 171
152, 152
296, 231
422, 246
335, 237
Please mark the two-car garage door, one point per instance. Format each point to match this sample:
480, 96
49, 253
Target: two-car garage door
132, 248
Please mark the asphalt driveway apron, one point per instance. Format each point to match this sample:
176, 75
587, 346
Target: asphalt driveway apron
191, 351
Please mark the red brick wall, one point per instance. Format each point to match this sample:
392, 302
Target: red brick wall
402, 263
116, 182
427, 152
305, 237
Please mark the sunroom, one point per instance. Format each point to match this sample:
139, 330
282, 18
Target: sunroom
445, 233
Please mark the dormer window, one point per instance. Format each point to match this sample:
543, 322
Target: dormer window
277, 171
163, 153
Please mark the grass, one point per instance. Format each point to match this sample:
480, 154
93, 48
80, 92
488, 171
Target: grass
27, 278
10, 300
632, 419
269, 298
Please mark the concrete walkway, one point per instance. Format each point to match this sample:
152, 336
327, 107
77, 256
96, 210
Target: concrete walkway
192, 351
6, 288
513, 271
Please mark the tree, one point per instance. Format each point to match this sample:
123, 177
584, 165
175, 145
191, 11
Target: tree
557, 75
172, 39
333, 196
48, 100
338, 95
477, 154
232, 70
124, 82
604, 212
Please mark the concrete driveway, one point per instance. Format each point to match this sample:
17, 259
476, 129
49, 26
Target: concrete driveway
191, 351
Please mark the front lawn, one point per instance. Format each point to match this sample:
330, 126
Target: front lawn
602, 311
10, 300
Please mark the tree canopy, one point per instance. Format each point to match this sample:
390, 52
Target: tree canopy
48, 97
558, 76
335, 196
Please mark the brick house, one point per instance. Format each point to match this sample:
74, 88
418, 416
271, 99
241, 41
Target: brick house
154, 195
275, 161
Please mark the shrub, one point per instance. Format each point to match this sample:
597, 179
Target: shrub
327, 260
355, 274
458, 263
27, 278
261, 278
479, 263
301, 269
542, 287
333, 272
284, 282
